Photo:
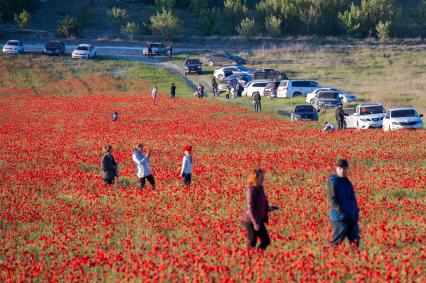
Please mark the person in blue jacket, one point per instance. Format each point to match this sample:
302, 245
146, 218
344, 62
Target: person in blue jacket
344, 212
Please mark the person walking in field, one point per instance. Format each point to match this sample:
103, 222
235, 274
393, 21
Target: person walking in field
172, 91
215, 88
200, 90
143, 167
240, 90
228, 92
109, 166
255, 215
154, 93
149, 47
340, 118
115, 116
170, 51
256, 102
344, 211
186, 169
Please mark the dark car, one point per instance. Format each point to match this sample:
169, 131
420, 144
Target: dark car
193, 65
268, 74
303, 112
241, 79
327, 99
271, 89
54, 47
220, 58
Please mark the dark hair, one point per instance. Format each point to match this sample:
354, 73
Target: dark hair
343, 163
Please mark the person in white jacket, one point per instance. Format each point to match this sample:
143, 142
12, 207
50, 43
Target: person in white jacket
154, 93
186, 170
143, 168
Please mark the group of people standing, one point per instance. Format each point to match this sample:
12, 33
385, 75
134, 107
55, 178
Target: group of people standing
151, 52
143, 166
340, 120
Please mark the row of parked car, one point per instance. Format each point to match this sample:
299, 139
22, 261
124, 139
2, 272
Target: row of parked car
53, 47
362, 116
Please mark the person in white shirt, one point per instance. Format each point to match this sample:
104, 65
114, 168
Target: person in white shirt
186, 170
328, 127
143, 167
154, 93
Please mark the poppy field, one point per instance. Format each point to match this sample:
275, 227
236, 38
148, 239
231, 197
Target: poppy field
59, 222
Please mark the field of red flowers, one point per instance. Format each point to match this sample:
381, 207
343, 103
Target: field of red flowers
60, 223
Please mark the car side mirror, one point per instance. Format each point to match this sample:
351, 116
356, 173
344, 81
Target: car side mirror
421, 115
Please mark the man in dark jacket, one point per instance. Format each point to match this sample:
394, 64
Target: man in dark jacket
172, 90
256, 102
340, 118
344, 207
215, 88
109, 166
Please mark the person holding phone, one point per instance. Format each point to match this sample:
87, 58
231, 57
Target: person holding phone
255, 215
143, 167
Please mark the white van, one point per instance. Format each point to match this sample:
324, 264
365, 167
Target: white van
291, 88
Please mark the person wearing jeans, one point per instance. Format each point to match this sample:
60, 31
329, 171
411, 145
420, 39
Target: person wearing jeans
186, 170
109, 166
143, 167
256, 102
255, 215
344, 211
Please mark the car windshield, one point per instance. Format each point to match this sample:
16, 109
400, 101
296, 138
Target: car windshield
404, 113
304, 109
244, 69
192, 62
53, 44
368, 110
328, 95
84, 48
14, 43
158, 45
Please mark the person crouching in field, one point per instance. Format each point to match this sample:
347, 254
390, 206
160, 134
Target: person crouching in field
186, 170
115, 116
109, 166
344, 212
256, 213
143, 167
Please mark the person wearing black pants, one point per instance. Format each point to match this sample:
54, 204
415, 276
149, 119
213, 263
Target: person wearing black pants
340, 118
256, 102
344, 212
256, 214
172, 91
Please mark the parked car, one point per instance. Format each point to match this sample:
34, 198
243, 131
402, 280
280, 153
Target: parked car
271, 89
193, 65
220, 58
242, 79
268, 74
85, 51
365, 116
402, 118
327, 100
255, 86
304, 112
291, 88
226, 71
345, 97
13, 47
157, 49
54, 47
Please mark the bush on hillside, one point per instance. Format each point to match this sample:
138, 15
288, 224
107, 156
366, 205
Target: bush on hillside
247, 28
165, 24
165, 4
131, 30
273, 25
117, 16
382, 30
22, 19
69, 27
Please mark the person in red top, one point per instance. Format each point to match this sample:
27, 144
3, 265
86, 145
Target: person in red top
256, 213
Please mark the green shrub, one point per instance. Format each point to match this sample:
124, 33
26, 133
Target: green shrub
165, 4
273, 25
208, 18
196, 6
165, 24
69, 27
421, 14
247, 28
22, 19
117, 16
382, 30
131, 30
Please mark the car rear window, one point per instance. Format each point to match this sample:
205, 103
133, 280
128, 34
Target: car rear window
284, 83
301, 84
260, 84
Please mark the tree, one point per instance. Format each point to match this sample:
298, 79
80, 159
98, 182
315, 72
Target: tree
196, 6
165, 24
165, 4
117, 16
233, 13
382, 30
247, 28
421, 14
131, 30
69, 27
273, 25
22, 19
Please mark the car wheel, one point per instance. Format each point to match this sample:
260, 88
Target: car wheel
234, 63
210, 63
297, 94
220, 77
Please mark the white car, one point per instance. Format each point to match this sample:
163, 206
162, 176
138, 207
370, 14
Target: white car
85, 51
291, 88
369, 115
231, 70
157, 49
345, 97
13, 47
254, 86
402, 118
